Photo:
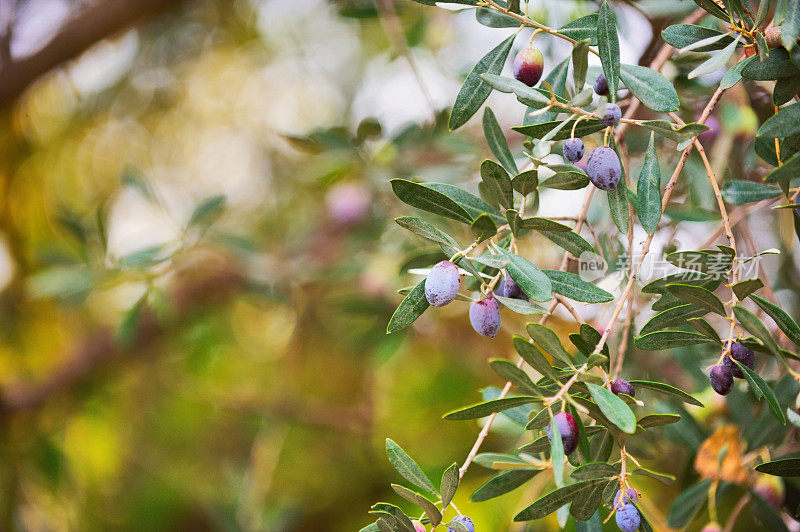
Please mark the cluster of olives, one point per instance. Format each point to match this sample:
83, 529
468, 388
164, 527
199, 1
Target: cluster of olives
603, 166
722, 375
441, 288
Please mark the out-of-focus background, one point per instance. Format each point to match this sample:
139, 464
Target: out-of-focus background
198, 259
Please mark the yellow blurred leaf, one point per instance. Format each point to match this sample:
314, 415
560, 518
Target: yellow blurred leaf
720, 456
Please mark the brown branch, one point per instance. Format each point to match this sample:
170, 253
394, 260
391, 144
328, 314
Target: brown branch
94, 23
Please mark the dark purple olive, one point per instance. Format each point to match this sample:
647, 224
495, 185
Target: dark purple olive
622, 386
601, 85
743, 355
603, 168
612, 115
572, 150
507, 287
721, 379
568, 428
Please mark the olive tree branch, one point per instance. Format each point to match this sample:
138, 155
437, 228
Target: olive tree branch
646, 246
664, 54
525, 20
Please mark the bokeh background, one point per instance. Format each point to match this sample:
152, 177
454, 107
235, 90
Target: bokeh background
198, 258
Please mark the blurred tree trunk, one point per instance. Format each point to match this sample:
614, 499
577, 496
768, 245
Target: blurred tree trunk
89, 25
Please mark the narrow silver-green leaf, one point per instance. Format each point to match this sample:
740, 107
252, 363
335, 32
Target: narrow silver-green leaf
543, 224
556, 499
785, 322
667, 389
761, 389
430, 200
556, 452
618, 198
672, 131
790, 29
498, 182
584, 127
533, 357
608, 45
650, 87
648, 189
483, 227
697, 295
520, 306
407, 467
449, 484
475, 91
742, 289
502, 484
574, 287
497, 141
683, 35
715, 62
484, 409
740, 192
580, 63
614, 408
669, 339
533, 282
784, 123
548, 341
510, 372
785, 467
428, 231
750, 321
411, 308
703, 327
569, 241
687, 503
582, 28
471, 203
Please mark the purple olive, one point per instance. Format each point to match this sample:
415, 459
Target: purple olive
721, 379
612, 115
601, 85
572, 150
441, 286
568, 428
528, 66
743, 355
347, 204
604, 168
484, 315
771, 489
622, 386
628, 518
508, 287
630, 496
709, 135
464, 520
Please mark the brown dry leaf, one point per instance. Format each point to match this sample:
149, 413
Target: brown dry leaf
725, 444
